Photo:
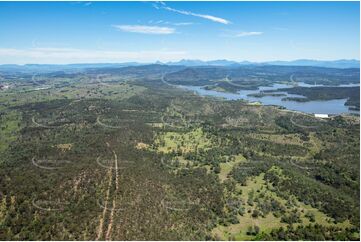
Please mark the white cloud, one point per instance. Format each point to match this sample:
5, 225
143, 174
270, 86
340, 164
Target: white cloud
243, 34
205, 16
145, 29
170, 23
183, 24
69, 55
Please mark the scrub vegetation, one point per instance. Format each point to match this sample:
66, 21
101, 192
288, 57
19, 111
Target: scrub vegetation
120, 154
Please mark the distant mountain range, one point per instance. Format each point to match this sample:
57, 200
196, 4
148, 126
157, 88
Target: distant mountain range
184, 62
66, 67
331, 64
205, 63
301, 62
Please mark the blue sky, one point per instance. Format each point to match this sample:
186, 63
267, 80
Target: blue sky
88, 32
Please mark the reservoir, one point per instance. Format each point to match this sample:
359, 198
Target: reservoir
334, 106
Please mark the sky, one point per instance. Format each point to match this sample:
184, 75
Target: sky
113, 32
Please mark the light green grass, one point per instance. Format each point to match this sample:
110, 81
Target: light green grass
258, 185
227, 167
185, 142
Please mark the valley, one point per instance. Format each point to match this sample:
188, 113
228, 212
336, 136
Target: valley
125, 154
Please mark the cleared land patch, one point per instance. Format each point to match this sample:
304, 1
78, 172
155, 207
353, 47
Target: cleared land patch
256, 193
183, 142
228, 166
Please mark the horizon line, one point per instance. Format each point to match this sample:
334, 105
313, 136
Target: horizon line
174, 61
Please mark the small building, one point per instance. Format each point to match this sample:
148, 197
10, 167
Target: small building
319, 115
4, 86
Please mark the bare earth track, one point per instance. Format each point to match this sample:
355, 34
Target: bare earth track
100, 230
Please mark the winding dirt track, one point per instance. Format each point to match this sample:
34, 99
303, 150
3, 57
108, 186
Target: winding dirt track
101, 220
291, 78
110, 225
301, 167
41, 125
100, 230
116, 171
302, 126
35, 163
111, 126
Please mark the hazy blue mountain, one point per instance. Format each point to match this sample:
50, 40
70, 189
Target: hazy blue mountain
203, 63
300, 62
222, 63
185, 62
332, 64
29, 68
43, 68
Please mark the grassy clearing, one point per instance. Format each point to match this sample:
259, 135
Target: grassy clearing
316, 144
257, 185
64, 147
141, 146
227, 167
183, 142
239, 231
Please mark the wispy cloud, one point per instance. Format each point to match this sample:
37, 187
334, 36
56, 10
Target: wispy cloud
170, 23
183, 24
145, 29
204, 16
243, 34
70, 55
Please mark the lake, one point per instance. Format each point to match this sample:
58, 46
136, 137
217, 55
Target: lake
335, 106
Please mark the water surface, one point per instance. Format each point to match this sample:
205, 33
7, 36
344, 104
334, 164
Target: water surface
335, 106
